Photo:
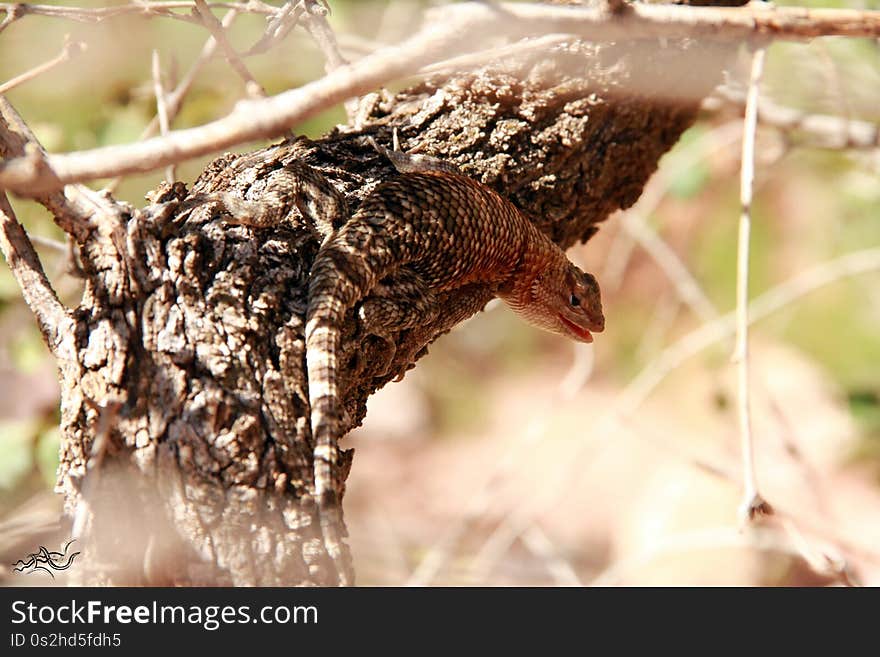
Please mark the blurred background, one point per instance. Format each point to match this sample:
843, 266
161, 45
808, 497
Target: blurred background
612, 463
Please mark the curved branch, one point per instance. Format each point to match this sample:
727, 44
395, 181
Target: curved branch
451, 31
51, 315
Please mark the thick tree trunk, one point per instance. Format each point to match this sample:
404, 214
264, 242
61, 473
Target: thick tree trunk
188, 398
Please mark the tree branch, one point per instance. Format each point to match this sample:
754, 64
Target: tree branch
70, 50
821, 130
448, 31
51, 315
73, 214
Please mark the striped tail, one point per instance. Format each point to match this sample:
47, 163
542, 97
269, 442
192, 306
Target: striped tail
322, 346
337, 283
326, 418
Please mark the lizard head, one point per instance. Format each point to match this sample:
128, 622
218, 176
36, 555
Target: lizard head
564, 300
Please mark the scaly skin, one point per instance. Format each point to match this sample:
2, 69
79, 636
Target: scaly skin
450, 231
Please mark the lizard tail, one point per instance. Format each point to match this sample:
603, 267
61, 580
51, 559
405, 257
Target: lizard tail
335, 286
326, 418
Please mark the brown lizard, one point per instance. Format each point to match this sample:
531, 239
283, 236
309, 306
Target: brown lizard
430, 230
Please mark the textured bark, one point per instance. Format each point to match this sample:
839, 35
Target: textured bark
190, 335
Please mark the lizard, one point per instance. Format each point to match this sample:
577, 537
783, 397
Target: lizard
443, 231
427, 231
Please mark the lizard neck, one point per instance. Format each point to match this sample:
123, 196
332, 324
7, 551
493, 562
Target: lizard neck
538, 257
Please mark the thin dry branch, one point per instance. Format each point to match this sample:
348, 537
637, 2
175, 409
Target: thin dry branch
684, 282
753, 504
475, 60
277, 27
621, 249
598, 22
315, 21
18, 10
447, 30
821, 130
771, 301
253, 88
161, 106
68, 52
174, 99
13, 13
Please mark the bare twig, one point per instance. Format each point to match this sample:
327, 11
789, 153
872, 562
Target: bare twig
474, 60
644, 20
253, 88
68, 52
453, 28
753, 504
174, 99
13, 13
822, 130
49, 243
686, 286
315, 21
622, 247
161, 107
18, 10
277, 27
638, 390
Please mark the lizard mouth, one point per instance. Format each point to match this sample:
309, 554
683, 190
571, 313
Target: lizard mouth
579, 332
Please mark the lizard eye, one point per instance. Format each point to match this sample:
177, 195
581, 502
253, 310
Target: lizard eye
574, 300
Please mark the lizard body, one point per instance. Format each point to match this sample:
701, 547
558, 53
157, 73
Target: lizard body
439, 231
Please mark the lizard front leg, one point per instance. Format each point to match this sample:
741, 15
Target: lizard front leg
397, 303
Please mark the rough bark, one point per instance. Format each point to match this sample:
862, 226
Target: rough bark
188, 396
